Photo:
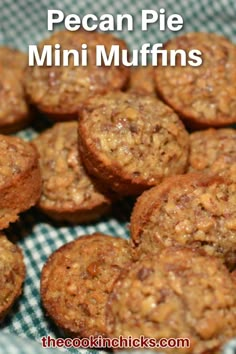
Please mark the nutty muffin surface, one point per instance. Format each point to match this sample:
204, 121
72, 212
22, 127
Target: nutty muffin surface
204, 95
12, 274
131, 142
20, 179
77, 279
14, 110
180, 293
192, 210
68, 193
59, 91
213, 151
15, 113
142, 81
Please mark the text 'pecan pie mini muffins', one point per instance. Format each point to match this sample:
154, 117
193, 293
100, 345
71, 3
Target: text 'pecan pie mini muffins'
205, 95
68, 193
59, 91
131, 142
77, 279
142, 81
181, 293
213, 151
20, 178
193, 210
12, 274
15, 113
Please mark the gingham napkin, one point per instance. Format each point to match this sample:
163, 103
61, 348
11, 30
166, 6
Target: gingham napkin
23, 22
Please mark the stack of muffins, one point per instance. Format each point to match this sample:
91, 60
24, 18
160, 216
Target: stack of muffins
117, 133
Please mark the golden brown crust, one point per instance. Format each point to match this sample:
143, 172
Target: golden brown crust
20, 179
21, 123
204, 96
194, 210
213, 151
179, 293
142, 81
68, 193
59, 91
87, 268
12, 274
13, 59
131, 142
77, 216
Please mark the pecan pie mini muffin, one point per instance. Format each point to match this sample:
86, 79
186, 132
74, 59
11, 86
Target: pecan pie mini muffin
131, 142
142, 81
15, 113
204, 96
13, 59
77, 279
213, 151
20, 179
59, 91
12, 274
179, 294
193, 210
68, 193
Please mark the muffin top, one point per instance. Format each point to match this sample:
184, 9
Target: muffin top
66, 184
213, 151
179, 293
193, 210
17, 156
86, 269
137, 139
12, 273
14, 60
62, 89
13, 107
204, 94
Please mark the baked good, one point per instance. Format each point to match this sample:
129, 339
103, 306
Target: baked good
59, 91
178, 294
13, 59
15, 113
233, 274
12, 274
204, 96
213, 151
68, 193
141, 81
193, 210
131, 142
20, 179
77, 279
